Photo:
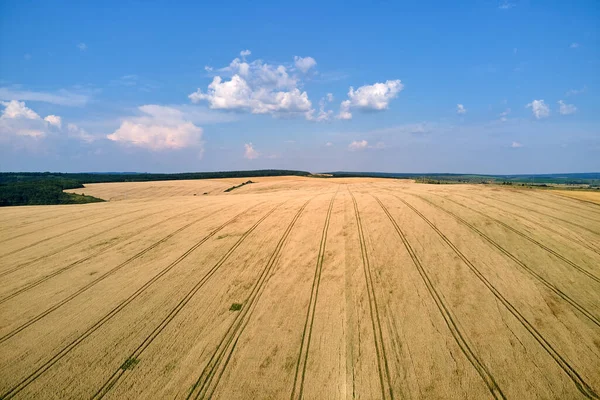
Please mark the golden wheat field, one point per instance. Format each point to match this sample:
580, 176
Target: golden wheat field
296, 287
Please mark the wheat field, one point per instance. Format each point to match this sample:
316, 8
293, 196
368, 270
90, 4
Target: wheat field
297, 287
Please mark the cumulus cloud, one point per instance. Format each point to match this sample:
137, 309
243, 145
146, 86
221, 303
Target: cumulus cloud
54, 120
358, 145
76, 132
460, 109
82, 46
17, 109
323, 115
304, 63
255, 87
506, 5
374, 97
566, 109
539, 109
574, 45
158, 128
516, 145
245, 53
328, 144
249, 152
20, 120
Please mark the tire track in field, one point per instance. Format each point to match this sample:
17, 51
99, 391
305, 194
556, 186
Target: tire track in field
382, 362
458, 336
527, 269
579, 242
58, 250
575, 198
579, 382
44, 278
204, 386
26, 224
67, 232
101, 278
310, 314
566, 221
51, 226
48, 364
570, 210
529, 238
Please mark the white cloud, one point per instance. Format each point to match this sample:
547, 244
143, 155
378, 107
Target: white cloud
17, 109
574, 45
54, 120
539, 109
304, 63
208, 68
249, 152
328, 144
323, 115
76, 132
566, 109
345, 110
516, 145
62, 97
245, 53
82, 46
573, 92
358, 145
255, 87
370, 97
17, 119
378, 146
460, 109
159, 128
506, 5
504, 115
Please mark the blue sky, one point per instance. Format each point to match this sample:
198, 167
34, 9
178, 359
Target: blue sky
429, 86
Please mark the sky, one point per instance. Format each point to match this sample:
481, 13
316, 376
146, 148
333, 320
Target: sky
490, 87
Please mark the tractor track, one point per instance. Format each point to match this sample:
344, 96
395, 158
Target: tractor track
97, 280
575, 198
386, 385
70, 221
65, 233
44, 278
579, 382
566, 221
26, 224
460, 339
579, 242
526, 268
529, 238
204, 386
566, 201
310, 313
56, 251
62, 353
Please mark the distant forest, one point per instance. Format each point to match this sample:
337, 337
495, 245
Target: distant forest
38, 188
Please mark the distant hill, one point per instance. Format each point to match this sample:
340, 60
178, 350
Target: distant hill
584, 178
38, 188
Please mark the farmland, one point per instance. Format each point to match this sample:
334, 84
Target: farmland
300, 287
